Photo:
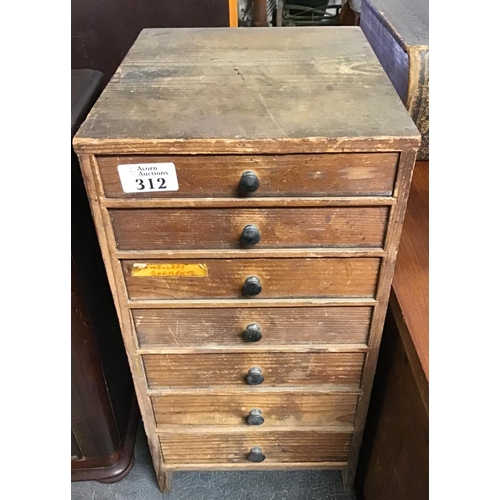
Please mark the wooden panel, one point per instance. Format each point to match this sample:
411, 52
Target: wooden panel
283, 175
285, 446
204, 370
95, 431
320, 277
164, 229
291, 202
279, 326
411, 277
402, 188
223, 85
278, 408
394, 461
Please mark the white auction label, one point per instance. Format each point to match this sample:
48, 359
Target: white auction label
146, 177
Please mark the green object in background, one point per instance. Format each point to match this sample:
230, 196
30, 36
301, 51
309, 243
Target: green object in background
309, 13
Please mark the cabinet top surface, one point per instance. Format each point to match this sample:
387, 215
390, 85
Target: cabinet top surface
222, 85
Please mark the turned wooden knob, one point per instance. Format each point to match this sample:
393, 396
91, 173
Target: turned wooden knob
255, 417
249, 183
254, 376
252, 286
252, 333
250, 235
256, 455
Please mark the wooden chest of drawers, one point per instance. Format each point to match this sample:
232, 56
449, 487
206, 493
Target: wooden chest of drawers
248, 187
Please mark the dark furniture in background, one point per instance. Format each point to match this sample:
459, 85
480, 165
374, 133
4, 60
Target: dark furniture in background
102, 31
104, 413
394, 460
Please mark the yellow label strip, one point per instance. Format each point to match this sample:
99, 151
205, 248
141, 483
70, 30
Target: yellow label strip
169, 270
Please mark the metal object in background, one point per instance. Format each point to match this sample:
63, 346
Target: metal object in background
289, 12
259, 13
271, 9
308, 12
256, 12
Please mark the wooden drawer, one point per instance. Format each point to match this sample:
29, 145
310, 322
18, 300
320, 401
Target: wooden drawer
284, 326
278, 369
279, 278
199, 176
291, 446
171, 229
290, 408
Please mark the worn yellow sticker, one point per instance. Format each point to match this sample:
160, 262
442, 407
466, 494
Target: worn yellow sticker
169, 270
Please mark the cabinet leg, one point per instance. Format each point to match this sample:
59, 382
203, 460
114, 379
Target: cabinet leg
164, 480
348, 480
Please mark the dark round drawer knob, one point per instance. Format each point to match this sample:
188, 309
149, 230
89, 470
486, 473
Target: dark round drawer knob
252, 286
256, 455
255, 376
249, 182
255, 417
252, 333
250, 235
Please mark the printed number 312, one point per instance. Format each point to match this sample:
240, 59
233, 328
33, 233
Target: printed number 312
159, 180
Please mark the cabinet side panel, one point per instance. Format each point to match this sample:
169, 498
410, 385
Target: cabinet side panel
402, 189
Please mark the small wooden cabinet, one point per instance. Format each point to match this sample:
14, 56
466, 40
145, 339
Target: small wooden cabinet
248, 187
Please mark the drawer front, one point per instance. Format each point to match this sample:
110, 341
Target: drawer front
349, 174
278, 278
277, 447
277, 369
229, 327
277, 408
171, 229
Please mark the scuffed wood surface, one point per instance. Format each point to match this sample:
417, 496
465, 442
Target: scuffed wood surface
284, 326
278, 446
280, 278
283, 175
394, 462
219, 85
292, 409
410, 301
264, 202
169, 229
212, 370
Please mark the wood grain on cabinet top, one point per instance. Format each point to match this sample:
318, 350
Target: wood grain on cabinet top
241, 90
